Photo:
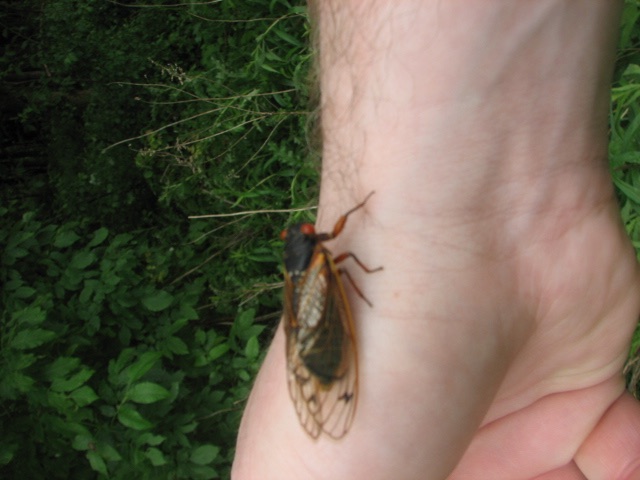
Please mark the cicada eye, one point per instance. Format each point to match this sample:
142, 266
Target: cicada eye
307, 229
283, 234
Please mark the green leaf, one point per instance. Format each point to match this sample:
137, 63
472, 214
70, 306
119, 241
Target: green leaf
84, 396
288, 38
110, 278
118, 365
109, 453
82, 442
218, 351
24, 292
11, 285
58, 401
15, 381
201, 472
245, 319
188, 312
149, 438
31, 338
97, 463
13, 253
31, 316
142, 365
629, 190
23, 360
65, 239
61, 367
188, 427
155, 456
99, 236
176, 345
82, 260
147, 392
75, 381
131, 418
89, 289
252, 349
158, 300
268, 68
204, 454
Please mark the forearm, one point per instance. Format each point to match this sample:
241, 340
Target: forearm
428, 100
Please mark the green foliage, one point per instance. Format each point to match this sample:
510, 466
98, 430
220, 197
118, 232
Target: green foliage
130, 334
624, 145
624, 148
105, 367
232, 141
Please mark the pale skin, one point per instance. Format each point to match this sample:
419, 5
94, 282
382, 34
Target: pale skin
503, 316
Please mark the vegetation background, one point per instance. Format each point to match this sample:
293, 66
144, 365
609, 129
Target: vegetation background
130, 334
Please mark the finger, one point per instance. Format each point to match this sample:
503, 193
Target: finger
612, 450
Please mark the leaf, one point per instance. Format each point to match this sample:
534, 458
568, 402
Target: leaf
88, 291
31, 338
84, 396
150, 439
176, 345
204, 454
155, 456
82, 442
200, 472
24, 292
147, 392
65, 239
218, 351
82, 260
252, 349
158, 300
189, 427
23, 360
75, 381
58, 401
131, 418
99, 236
142, 365
15, 381
61, 367
31, 315
188, 312
245, 318
124, 359
268, 68
110, 278
97, 463
288, 38
109, 453
629, 190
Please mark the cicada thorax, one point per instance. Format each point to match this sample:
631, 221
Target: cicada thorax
322, 363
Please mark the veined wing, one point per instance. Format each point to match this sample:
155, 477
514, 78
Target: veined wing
322, 368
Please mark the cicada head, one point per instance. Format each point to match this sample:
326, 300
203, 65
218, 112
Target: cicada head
299, 242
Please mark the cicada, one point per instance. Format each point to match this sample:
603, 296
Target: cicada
321, 347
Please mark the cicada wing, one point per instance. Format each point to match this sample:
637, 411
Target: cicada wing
322, 368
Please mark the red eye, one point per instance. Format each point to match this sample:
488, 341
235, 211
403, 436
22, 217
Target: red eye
307, 229
283, 234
